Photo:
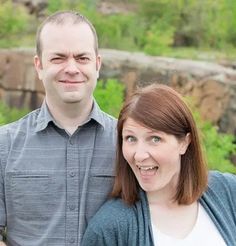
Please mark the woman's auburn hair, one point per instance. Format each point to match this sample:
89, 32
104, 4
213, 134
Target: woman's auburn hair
159, 107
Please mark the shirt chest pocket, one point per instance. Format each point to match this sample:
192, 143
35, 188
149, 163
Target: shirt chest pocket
99, 188
30, 195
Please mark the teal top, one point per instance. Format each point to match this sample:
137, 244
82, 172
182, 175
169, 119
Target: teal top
117, 224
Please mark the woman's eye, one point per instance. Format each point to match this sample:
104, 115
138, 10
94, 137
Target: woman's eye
156, 139
130, 138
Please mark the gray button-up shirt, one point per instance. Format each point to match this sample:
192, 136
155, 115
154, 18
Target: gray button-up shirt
52, 183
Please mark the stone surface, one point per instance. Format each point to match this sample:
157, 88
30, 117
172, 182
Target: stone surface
212, 86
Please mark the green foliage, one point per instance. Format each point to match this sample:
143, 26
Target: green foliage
157, 41
110, 96
218, 147
14, 20
57, 5
117, 31
8, 115
155, 27
202, 23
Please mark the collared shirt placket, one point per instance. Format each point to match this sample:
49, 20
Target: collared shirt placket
72, 187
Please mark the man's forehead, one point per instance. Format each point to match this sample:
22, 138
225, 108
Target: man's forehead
80, 32
66, 24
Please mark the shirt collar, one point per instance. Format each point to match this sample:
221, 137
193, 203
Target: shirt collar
97, 114
44, 116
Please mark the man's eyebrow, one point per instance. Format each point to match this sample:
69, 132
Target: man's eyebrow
58, 54
83, 54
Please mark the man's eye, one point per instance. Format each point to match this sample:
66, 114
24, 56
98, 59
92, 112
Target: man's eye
57, 59
83, 59
156, 139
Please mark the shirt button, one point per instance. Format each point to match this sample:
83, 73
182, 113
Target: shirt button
72, 240
72, 174
72, 207
71, 142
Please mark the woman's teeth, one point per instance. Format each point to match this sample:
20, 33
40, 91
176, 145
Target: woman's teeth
148, 170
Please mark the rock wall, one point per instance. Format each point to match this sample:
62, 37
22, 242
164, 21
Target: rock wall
212, 86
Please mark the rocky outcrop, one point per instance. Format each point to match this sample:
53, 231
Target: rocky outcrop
19, 85
212, 86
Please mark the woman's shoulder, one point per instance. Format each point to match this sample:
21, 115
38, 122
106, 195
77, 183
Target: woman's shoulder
112, 225
112, 221
219, 178
222, 182
112, 211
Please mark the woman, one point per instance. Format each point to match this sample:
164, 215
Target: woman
163, 194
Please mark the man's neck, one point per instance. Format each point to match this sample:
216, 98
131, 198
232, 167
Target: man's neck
71, 115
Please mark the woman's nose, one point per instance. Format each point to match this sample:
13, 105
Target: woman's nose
141, 154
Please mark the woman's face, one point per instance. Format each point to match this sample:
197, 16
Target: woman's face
154, 156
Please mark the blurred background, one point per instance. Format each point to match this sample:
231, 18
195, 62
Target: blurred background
187, 44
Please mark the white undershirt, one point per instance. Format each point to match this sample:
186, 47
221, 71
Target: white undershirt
204, 232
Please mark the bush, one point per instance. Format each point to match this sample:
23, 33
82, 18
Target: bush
157, 41
8, 115
218, 147
110, 96
14, 21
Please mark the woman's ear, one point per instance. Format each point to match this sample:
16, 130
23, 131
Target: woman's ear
185, 143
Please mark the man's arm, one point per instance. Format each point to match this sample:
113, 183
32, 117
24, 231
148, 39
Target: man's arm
2, 195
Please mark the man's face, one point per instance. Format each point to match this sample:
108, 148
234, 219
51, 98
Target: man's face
69, 66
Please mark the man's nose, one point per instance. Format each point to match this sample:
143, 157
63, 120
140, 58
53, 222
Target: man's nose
72, 67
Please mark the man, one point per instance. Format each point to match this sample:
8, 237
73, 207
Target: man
56, 163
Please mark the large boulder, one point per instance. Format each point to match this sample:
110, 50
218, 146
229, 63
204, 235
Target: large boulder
211, 86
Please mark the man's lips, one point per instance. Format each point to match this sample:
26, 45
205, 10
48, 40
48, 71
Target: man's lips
71, 81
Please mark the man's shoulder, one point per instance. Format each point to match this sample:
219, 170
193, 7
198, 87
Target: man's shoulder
107, 133
20, 124
109, 120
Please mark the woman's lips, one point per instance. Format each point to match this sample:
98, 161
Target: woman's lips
148, 170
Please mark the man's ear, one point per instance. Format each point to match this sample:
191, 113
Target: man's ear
38, 66
185, 143
98, 64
